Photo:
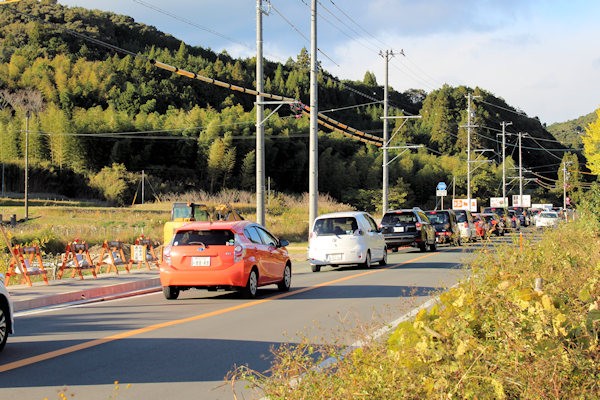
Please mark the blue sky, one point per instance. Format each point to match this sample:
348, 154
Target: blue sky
541, 56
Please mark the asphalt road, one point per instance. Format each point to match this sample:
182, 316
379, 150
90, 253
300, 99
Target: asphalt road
183, 349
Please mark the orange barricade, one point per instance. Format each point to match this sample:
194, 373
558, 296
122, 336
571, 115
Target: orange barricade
76, 257
24, 262
142, 252
112, 256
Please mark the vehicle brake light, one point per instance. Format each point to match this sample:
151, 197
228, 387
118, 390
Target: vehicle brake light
239, 252
418, 225
167, 255
466, 224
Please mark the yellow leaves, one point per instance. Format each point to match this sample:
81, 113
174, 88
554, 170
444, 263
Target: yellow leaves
547, 303
558, 323
502, 286
462, 348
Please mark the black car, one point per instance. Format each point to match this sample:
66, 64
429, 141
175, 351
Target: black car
409, 227
446, 226
522, 214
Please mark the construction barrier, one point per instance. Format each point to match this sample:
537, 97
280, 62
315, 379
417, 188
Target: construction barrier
77, 258
142, 252
112, 257
26, 261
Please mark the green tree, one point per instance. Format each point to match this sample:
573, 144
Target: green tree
221, 161
115, 183
248, 172
370, 79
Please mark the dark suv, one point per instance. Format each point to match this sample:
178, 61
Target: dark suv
409, 227
446, 226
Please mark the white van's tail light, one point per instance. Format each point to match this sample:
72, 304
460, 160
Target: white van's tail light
239, 252
167, 255
418, 225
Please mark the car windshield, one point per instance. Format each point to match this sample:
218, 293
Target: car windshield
461, 216
549, 215
438, 218
335, 226
398, 218
208, 237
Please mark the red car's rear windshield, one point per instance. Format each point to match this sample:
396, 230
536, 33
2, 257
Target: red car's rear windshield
209, 237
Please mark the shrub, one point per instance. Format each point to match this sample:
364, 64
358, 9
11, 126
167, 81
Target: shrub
493, 337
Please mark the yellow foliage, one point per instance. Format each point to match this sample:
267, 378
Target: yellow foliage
547, 303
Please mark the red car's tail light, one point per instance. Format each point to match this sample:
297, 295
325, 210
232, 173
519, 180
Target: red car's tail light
167, 255
239, 252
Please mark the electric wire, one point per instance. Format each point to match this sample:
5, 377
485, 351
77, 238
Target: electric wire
191, 23
302, 34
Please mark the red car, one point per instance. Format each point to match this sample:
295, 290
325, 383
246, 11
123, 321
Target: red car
232, 255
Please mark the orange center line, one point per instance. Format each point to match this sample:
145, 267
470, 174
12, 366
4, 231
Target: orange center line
127, 334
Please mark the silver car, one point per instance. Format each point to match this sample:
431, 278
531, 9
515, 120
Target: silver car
6, 314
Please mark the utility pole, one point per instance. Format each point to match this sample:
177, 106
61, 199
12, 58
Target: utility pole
26, 165
565, 179
260, 131
143, 178
520, 172
313, 159
386, 55
504, 125
469, 126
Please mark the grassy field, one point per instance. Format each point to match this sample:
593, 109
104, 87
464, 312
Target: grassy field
54, 223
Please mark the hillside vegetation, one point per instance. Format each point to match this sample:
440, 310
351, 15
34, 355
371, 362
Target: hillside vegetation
105, 115
569, 133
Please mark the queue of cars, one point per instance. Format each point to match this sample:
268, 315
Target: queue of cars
243, 255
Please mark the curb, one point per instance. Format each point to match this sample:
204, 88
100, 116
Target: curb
89, 294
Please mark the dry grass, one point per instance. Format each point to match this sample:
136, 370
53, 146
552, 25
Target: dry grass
54, 223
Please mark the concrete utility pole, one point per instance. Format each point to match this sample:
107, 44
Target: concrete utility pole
469, 126
565, 179
260, 131
504, 125
520, 172
386, 55
26, 165
313, 159
386, 146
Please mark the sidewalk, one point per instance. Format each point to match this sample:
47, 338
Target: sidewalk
68, 290
106, 286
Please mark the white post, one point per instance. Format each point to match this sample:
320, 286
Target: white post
260, 132
313, 174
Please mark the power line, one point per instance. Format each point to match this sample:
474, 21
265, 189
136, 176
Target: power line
191, 23
359, 25
301, 34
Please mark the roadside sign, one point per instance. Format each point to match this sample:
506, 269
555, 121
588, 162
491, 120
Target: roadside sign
498, 202
441, 193
526, 200
441, 186
462, 204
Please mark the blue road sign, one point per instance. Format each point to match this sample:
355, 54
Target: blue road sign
441, 186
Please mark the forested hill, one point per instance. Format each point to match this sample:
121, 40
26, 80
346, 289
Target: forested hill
569, 133
106, 113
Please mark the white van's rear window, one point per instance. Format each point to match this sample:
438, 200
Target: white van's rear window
335, 226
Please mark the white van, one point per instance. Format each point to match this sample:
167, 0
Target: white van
345, 238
